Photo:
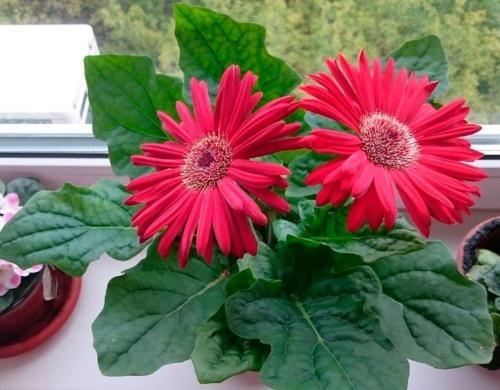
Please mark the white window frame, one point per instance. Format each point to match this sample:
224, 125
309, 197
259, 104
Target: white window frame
84, 162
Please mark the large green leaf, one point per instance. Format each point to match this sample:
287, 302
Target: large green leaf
326, 338
327, 225
431, 312
209, 42
425, 56
151, 313
71, 227
125, 94
219, 354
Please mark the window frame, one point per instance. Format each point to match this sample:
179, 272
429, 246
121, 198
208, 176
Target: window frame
25, 155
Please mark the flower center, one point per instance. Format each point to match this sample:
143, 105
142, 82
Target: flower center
388, 142
206, 163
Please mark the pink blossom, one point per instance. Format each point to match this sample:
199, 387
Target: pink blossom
11, 274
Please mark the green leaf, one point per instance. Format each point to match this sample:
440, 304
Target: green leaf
327, 338
496, 327
301, 166
240, 281
71, 227
424, 56
2, 188
283, 228
209, 42
219, 354
431, 312
25, 187
304, 262
327, 225
125, 94
374, 245
264, 265
487, 257
151, 313
316, 121
477, 271
492, 279
6, 301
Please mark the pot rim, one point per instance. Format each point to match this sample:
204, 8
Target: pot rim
466, 238
52, 327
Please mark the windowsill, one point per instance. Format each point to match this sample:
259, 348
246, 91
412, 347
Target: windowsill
56, 154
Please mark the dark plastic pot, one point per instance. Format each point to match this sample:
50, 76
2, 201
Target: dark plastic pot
33, 320
485, 235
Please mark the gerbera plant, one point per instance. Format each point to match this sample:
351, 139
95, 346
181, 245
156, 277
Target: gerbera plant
268, 223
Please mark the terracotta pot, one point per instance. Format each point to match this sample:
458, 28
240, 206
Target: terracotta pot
33, 320
485, 235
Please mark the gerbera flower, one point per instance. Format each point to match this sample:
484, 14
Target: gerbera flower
205, 177
399, 143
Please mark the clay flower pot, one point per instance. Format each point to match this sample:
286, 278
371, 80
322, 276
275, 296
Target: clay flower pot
33, 319
485, 235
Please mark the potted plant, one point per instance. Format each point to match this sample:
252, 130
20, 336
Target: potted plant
479, 259
276, 215
36, 301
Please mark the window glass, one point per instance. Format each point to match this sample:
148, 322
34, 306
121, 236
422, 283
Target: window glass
303, 32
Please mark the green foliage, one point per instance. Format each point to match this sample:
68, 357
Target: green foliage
327, 225
487, 272
325, 338
300, 167
6, 300
125, 94
25, 187
219, 353
427, 299
260, 265
209, 42
71, 227
151, 313
424, 56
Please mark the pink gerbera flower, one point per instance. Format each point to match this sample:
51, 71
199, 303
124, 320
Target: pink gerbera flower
205, 176
398, 142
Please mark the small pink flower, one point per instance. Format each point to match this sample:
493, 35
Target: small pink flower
9, 206
11, 274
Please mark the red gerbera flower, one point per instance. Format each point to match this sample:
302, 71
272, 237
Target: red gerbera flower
399, 141
204, 176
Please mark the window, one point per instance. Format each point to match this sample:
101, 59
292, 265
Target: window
44, 112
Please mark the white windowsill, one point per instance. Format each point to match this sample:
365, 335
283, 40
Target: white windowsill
53, 171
